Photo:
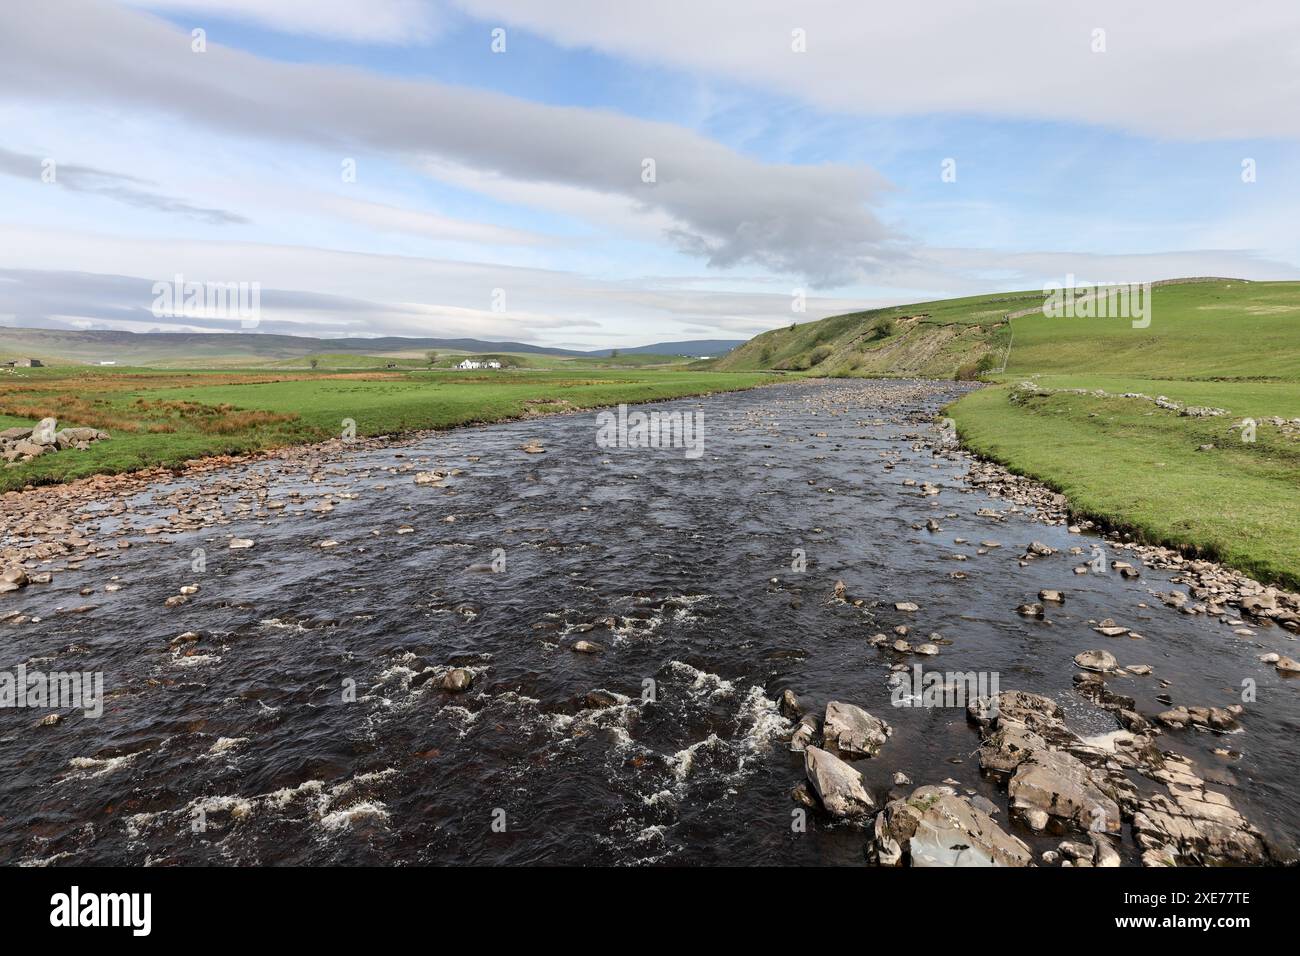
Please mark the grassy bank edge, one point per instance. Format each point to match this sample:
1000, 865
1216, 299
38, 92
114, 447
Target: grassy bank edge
24, 477
972, 414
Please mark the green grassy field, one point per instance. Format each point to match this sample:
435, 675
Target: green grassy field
449, 359
165, 417
1202, 330
1229, 345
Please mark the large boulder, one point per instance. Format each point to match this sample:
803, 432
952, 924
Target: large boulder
25, 447
1021, 709
837, 785
1259, 605
43, 433
1058, 784
1006, 748
1194, 825
936, 827
74, 435
853, 731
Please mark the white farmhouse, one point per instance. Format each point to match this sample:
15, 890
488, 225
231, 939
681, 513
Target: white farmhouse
469, 363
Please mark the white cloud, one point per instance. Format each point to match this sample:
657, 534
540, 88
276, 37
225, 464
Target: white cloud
1188, 69
136, 118
368, 21
727, 209
332, 292
429, 225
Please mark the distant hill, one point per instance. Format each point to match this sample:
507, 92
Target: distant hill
226, 348
1222, 322
930, 339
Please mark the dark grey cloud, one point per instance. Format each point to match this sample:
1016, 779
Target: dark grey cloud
727, 208
122, 188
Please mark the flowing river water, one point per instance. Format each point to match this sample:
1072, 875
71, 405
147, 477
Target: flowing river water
302, 726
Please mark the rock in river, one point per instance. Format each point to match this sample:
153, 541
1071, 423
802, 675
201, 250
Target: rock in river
790, 705
807, 733
1193, 824
853, 731
1060, 785
1286, 665
837, 785
936, 827
1100, 661
12, 579
457, 679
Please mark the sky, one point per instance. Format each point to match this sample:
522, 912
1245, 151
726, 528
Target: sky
590, 174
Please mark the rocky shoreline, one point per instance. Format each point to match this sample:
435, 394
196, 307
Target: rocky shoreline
1057, 783
48, 529
1211, 588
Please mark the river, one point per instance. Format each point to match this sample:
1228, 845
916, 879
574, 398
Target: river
299, 728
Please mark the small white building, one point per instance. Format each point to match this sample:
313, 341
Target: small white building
493, 364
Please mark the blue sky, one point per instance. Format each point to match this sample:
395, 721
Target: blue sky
500, 194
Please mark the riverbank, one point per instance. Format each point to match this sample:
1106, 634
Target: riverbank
1215, 589
1175, 464
164, 419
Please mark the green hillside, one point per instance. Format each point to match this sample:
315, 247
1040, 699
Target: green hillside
931, 339
1220, 329
1138, 464
1141, 427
